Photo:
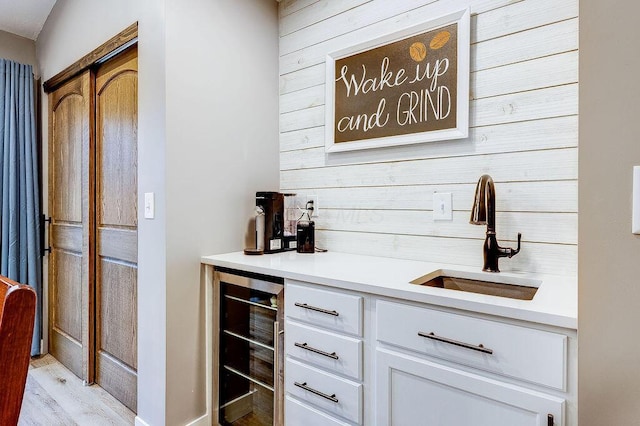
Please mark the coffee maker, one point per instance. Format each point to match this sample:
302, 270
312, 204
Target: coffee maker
272, 204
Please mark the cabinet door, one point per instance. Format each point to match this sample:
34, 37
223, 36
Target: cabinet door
412, 391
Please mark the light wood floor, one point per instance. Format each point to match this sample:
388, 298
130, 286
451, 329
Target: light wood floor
55, 396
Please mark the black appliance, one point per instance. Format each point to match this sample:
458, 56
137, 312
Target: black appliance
248, 359
272, 204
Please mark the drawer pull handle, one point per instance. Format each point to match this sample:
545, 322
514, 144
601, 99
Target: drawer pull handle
316, 309
550, 420
316, 392
316, 351
479, 348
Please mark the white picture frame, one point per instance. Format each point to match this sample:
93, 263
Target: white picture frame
461, 128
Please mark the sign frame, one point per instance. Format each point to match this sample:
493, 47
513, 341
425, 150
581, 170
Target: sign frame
461, 129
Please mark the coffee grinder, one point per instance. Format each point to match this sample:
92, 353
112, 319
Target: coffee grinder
305, 232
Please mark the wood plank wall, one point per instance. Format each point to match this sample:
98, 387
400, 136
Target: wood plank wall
524, 133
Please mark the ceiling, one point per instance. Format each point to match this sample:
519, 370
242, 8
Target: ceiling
24, 17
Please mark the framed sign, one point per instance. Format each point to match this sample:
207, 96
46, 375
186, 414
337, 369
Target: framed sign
411, 86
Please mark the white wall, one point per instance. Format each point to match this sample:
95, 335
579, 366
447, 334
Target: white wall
222, 134
18, 49
207, 141
608, 315
524, 132
152, 258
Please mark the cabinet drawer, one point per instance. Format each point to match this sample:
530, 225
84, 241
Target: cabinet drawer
296, 414
523, 353
333, 394
325, 349
330, 309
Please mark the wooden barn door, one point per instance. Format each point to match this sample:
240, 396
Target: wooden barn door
93, 205
71, 263
117, 226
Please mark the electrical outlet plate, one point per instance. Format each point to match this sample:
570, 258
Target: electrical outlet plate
442, 206
316, 206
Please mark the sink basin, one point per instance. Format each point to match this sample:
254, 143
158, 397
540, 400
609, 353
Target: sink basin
501, 286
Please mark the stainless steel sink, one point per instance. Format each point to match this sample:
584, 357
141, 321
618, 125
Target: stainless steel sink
501, 286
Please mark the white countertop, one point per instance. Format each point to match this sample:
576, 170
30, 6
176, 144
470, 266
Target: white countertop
555, 302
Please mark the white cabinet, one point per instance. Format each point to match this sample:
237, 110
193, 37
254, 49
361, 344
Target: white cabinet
440, 368
414, 391
323, 351
370, 352
426, 366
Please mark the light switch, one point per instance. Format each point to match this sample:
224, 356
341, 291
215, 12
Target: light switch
149, 205
635, 221
442, 206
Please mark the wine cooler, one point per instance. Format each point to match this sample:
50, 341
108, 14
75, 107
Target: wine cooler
249, 365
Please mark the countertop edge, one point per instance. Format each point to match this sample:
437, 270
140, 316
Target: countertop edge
467, 304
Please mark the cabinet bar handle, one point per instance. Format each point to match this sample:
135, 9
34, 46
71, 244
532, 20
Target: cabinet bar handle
314, 308
479, 348
316, 392
316, 351
550, 420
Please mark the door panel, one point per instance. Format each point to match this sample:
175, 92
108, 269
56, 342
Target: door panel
69, 134
116, 220
70, 264
119, 243
118, 313
117, 146
69, 295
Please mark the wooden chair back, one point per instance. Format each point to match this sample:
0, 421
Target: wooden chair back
17, 314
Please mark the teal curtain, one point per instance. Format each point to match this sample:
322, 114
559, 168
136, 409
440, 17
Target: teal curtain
20, 254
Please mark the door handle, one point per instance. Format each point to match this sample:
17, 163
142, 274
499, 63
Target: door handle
45, 225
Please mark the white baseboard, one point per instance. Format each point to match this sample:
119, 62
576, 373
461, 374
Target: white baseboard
140, 422
201, 421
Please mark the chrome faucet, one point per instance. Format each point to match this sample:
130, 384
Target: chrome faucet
483, 212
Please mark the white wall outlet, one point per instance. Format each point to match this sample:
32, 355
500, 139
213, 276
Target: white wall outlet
316, 206
442, 206
635, 222
149, 205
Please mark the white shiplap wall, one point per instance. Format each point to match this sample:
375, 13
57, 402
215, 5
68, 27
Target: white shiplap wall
524, 133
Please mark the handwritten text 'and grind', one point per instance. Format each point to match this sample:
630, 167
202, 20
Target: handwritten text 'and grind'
424, 100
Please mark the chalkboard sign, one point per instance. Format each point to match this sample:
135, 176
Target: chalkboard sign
408, 87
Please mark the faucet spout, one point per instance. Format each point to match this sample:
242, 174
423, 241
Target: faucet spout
483, 212
484, 204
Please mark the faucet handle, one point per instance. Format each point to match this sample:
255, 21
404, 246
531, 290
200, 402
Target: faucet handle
513, 252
